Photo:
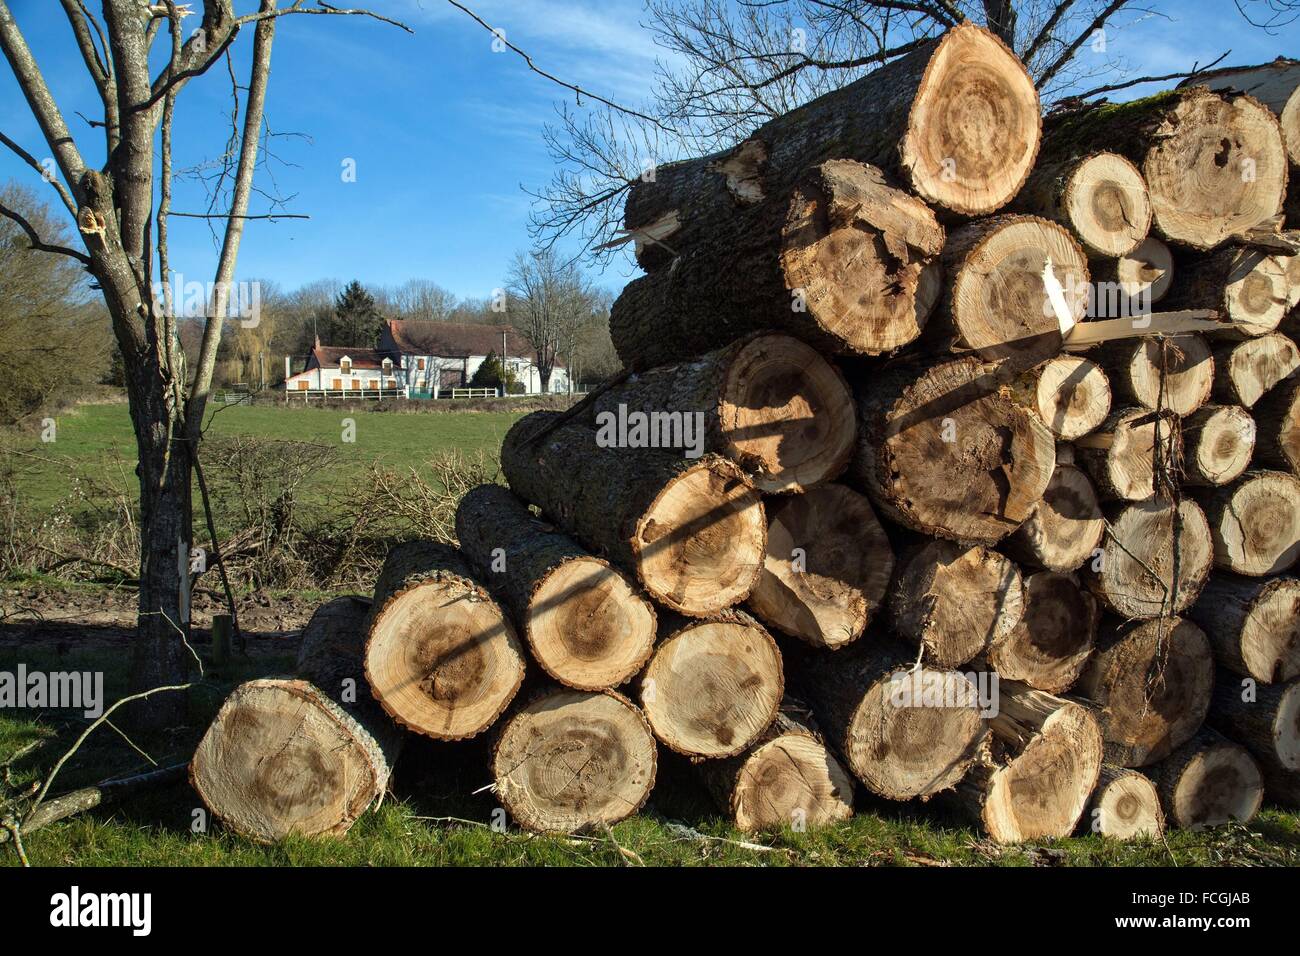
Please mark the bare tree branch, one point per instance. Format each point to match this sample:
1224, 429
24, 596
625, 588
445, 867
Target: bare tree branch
35, 240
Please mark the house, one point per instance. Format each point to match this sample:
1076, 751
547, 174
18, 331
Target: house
339, 369
435, 357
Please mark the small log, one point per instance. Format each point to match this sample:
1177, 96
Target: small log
1249, 287
691, 529
712, 687
1064, 529
953, 601
1266, 721
1125, 806
1253, 625
1141, 277
1218, 441
1175, 374
1209, 781
572, 761
1071, 394
1100, 198
1151, 683
1050, 644
586, 624
787, 778
1245, 371
1277, 424
1255, 523
827, 567
1121, 455
441, 658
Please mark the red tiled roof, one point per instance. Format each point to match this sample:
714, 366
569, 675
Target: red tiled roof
328, 356
455, 339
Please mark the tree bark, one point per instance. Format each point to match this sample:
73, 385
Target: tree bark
1253, 625
1245, 371
1100, 198
1218, 441
1266, 721
1050, 644
1125, 806
1277, 423
1255, 523
1064, 529
1209, 781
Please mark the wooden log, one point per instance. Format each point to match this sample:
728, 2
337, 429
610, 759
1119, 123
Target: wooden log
770, 403
586, 624
943, 450
1125, 806
956, 121
1199, 196
871, 702
1064, 529
572, 761
1253, 625
995, 301
787, 778
691, 529
837, 260
1071, 395
953, 601
712, 687
441, 657
1245, 371
1154, 558
1100, 198
827, 566
1209, 781
1266, 721
1044, 761
1050, 644
1249, 287
1275, 84
1151, 683
302, 756
1218, 441
1170, 373
1121, 456
1141, 277
1255, 523
1277, 424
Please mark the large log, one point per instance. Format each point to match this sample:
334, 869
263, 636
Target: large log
1050, 644
1253, 625
1266, 721
712, 687
1101, 198
827, 567
1249, 287
1142, 277
1123, 455
946, 452
1172, 373
1214, 163
1150, 682
1275, 84
953, 601
441, 658
572, 761
1209, 781
1125, 806
1044, 760
840, 261
770, 403
692, 529
956, 121
1245, 371
903, 731
302, 756
1064, 529
787, 778
1218, 441
1255, 523
1071, 395
1154, 559
1277, 427
586, 624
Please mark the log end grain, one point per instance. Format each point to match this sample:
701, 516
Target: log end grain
1106, 204
1255, 523
1050, 644
1208, 782
1125, 806
1063, 530
1071, 395
790, 781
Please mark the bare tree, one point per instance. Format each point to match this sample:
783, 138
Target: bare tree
549, 303
421, 299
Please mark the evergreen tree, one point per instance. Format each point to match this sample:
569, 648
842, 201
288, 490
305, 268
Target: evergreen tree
489, 375
357, 322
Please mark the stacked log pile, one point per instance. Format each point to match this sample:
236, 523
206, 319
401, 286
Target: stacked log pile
907, 487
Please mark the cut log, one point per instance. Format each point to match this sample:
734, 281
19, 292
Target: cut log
441, 656
1154, 558
786, 779
1253, 625
945, 452
305, 756
995, 300
1209, 781
586, 624
1171, 373
1044, 760
1275, 84
1248, 287
1266, 721
1214, 163
953, 601
1050, 644
1101, 198
838, 260
1123, 455
692, 530
1140, 278
712, 687
1151, 684
770, 403
572, 761
903, 731
1255, 523
956, 121
1070, 394
1125, 806
1277, 424
1064, 529
1218, 441
1245, 371
827, 567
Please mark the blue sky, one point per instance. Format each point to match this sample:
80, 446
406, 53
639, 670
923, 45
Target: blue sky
443, 131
